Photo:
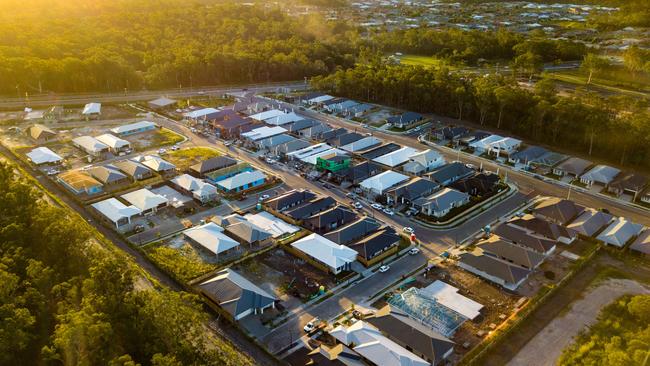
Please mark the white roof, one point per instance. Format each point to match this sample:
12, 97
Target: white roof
370, 343
195, 185
325, 250
155, 162
89, 143
322, 98
486, 142
309, 150
240, 281
506, 142
267, 114
41, 155
112, 141
448, 296
311, 159
144, 199
263, 132
619, 232
269, 223
132, 127
115, 210
381, 182
211, 237
200, 113
162, 101
283, 119
396, 157
361, 144
241, 179
92, 108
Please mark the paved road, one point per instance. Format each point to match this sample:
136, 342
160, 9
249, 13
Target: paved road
48, 100
287, 333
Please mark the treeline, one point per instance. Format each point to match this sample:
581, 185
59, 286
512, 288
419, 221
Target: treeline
471, 46
614, 129
66, 300
620, 337
110, 45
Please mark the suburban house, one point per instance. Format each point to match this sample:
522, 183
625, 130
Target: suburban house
200, 115
161, 103
242, 181
376, 247
590, 222
289, 147
450, 133
236, 295
365, 143
345, 139
527, 155
374, 346
414, 336
333, 164
261, 133
380, 183
397, 157
136, 170
289, 200
231, 127
246, 232
91, 145
108, 175
406, 193
353, 231
269, 143
620, 232
509, 276
92, 109
600, 174
333, 133
79, 182
642, 243
572, 167
525, 239
547, 161
328, 255
43, 155
200, 170
630, 183
511, 253
146, 201
116, 212
441, 203
134, 128
424, 162
269, 223
296, 126
484, 145
41, 134
314, 132
357, 173
156, 163
504, 146
264, 115
326, 221
478, 185
645, 197
545, 228
371, 154
303, 211
559, 211
448, 174
210, 237
197, 188
115, 144
405, 119
358, 110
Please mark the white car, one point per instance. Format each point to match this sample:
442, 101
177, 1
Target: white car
376, 206
384, 268
358, 205
175, 147
408, 230
162, 151
414, 251
309, 327
388, 212
263, 197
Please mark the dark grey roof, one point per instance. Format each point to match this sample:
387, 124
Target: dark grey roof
512, 253
509, 273
290, 199
408, 332
107, 174
575, 166
235, 294
630, 181
528, 154
414, 189
478, 184
359, 172
590, 222
381, 150
325, 221
451, 171
300, 125
372, 244
328, 135
248, 232
310, 208
548, 229
407, 117
450, 133
521, 238
344, 139
559, 211
213, 164
291, 146
353, 231
132, 168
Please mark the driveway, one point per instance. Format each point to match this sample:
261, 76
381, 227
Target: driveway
547, 346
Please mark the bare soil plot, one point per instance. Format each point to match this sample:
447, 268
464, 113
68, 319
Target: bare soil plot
185, 158
154, 139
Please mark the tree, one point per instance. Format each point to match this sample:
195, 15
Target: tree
633, 59
529, 63
593, 64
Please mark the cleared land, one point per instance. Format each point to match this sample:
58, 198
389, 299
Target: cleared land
425, 61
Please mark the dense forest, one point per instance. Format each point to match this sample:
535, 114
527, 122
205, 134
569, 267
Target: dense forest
110, 45
66, 299
620, 337
614, 129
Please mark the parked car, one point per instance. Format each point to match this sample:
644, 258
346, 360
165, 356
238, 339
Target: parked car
312, 325
408, 230
162, 151
384, 268
138, 228
358, 205
377, 206
264, 197
388, 212
414, 251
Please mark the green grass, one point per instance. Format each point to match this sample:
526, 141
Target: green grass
184, 158
182, 263
615, 78
425, 61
